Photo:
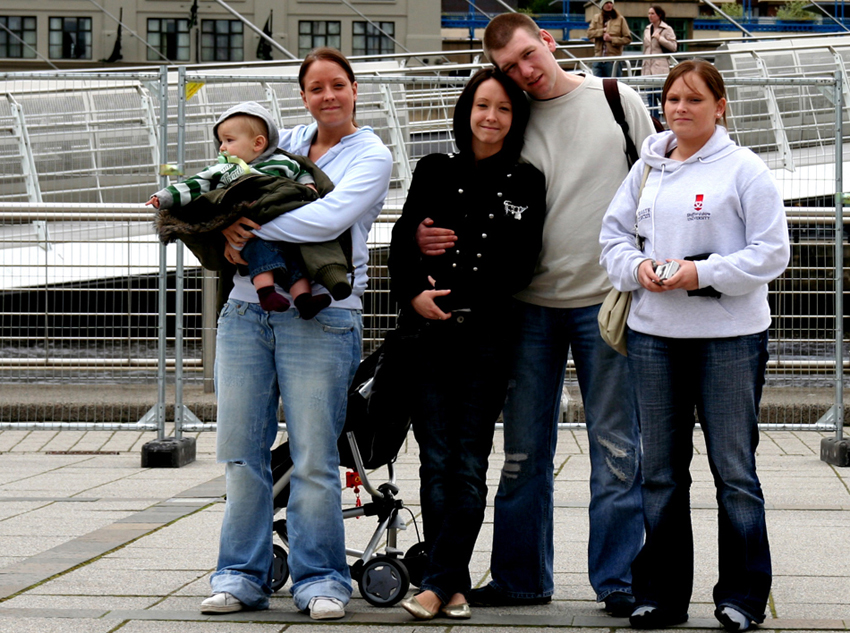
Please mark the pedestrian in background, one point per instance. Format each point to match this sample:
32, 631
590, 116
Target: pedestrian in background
658, 38
610, 33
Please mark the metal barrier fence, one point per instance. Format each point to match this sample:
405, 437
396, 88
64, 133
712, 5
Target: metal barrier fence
90, 297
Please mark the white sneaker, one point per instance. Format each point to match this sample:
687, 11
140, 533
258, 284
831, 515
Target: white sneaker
732, 620
322, 608
221, 603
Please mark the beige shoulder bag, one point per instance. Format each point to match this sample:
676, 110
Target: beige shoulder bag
614, 311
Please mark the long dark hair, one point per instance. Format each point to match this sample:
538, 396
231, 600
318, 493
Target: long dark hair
463, 112
662, 15
327, 54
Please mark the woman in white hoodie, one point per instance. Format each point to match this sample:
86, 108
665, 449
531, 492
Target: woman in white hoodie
698, 340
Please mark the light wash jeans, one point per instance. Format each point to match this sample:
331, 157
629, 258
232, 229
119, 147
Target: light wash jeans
523, 546
262, 357
720, 379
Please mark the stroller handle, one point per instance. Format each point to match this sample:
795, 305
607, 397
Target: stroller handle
358, 462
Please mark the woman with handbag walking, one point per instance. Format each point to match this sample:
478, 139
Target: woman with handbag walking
459, 300
698, 337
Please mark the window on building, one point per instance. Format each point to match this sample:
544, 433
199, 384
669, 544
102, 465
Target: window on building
15, 32
70, 38
169, 37
315, 33
368, 40
222, 41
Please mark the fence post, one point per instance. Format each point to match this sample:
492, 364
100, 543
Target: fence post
181, 412
157, 412
177, 451
836, 450
208, 324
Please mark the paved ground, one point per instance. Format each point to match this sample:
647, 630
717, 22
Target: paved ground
92, 543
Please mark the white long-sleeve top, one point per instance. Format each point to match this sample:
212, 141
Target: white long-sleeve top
722, 201
360, 166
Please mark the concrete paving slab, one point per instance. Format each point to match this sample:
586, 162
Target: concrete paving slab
94, 440
329, 627
810, 611
23, 546
167, 568
185, 603
35, 440
10, 439
198, 627
100, 604
23, 624
66, 523
91, 581
200, 589
63, 441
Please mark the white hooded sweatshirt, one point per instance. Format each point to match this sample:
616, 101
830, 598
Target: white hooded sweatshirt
722, 201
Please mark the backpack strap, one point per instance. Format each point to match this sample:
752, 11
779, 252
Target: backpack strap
612, 95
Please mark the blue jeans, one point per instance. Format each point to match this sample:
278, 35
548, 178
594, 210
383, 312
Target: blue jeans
722, 380
281, 257
607, 69
523, 548
461, 396
262, 357
653, 102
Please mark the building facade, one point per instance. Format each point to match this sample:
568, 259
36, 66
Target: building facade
83, 33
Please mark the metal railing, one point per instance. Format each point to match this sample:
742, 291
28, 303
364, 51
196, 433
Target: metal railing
89, 295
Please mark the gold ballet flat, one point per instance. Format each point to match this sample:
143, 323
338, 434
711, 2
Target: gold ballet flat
412, 606
456, 611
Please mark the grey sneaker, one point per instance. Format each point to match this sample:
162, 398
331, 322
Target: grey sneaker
322, 608
221, 603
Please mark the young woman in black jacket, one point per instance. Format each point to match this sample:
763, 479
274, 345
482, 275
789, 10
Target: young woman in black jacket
459, 299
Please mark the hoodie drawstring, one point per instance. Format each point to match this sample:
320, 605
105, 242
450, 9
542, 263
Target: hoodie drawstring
652, 211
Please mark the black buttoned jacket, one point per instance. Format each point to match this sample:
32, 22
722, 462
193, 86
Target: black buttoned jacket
495, 207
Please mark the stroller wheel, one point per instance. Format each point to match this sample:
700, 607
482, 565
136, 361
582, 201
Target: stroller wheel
384, 581
415, 560
280, 568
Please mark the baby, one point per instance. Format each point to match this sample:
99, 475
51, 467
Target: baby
244, 133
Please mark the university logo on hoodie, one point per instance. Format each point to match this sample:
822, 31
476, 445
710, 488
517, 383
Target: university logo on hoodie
699, 213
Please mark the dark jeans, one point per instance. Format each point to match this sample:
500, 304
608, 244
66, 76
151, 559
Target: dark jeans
463, 384
722, 380
281, 257
522, 562
607, 69
653, 102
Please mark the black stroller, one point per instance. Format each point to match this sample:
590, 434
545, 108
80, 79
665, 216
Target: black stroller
376, 426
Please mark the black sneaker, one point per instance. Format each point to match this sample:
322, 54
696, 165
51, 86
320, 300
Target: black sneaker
619, 604
489, 596
649, 617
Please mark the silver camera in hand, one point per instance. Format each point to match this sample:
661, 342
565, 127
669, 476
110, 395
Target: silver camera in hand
665, 271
